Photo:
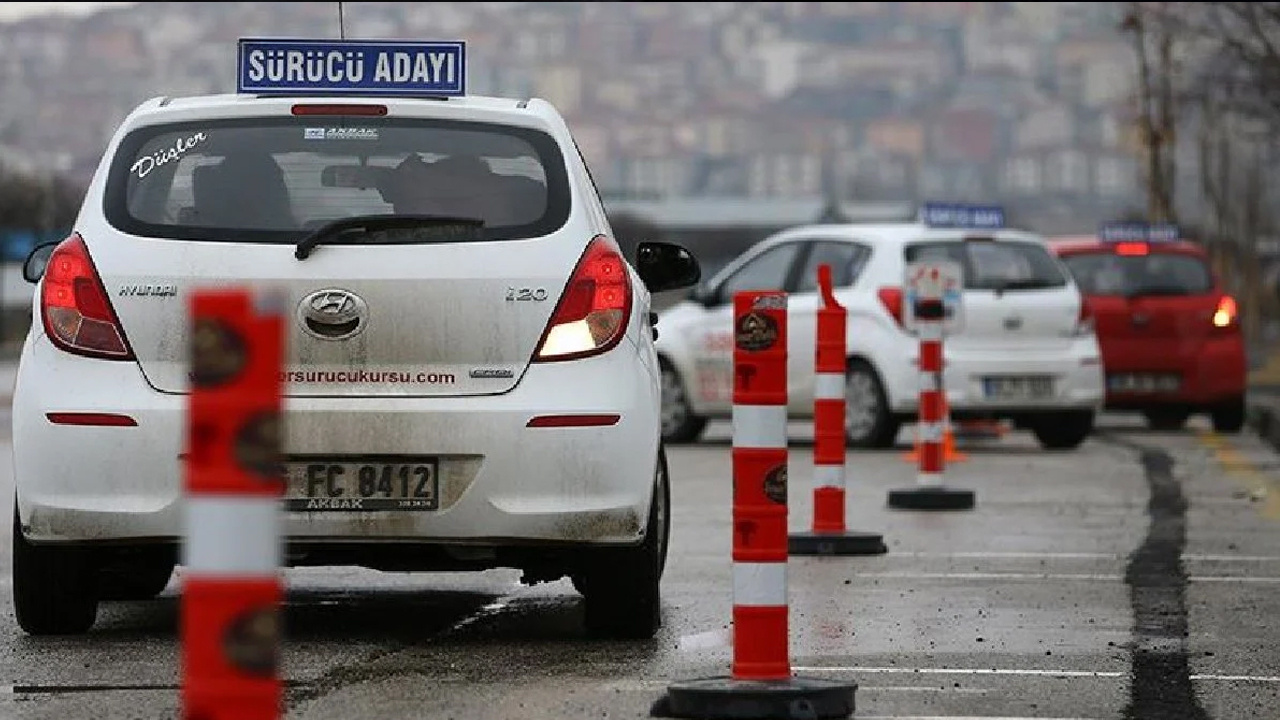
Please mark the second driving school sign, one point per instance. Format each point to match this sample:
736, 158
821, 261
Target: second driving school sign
933, 294
341, 67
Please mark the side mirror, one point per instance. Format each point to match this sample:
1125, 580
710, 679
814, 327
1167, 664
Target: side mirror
33, 267
666, 266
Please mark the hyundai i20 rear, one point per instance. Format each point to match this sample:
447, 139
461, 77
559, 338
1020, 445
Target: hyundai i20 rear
458, 313
1170, 336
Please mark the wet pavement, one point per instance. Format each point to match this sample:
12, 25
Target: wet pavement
1135, 578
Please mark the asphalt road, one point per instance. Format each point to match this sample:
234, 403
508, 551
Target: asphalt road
1137, 578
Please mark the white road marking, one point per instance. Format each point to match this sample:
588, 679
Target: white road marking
966, 671
1205, 677
1102, 577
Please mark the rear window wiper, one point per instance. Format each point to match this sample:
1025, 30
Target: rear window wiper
451, 225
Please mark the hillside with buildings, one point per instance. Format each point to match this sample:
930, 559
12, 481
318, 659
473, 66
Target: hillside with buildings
1022, 103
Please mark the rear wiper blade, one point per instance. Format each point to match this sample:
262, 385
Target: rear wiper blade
370, 223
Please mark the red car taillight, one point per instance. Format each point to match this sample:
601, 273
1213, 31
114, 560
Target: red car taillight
74, 307
1226, 315
891, 299
591, 316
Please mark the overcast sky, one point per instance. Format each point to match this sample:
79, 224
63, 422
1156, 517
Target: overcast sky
18, 10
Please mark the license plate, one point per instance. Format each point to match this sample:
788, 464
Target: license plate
1018, 388
1143, 382
327, 486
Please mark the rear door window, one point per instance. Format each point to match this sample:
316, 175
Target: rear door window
1171, 274
995, 265
277, 179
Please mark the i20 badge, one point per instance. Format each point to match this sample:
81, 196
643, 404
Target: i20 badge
333, 314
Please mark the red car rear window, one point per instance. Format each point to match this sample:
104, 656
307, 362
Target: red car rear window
1105, 273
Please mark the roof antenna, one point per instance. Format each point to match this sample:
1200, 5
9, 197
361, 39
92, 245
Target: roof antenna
342, 25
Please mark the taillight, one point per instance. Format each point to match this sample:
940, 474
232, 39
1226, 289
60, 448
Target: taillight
1132, 248
1084, 321
591, 316
891, 298
74, 307
1226, 313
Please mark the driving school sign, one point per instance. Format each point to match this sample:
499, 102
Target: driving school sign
933, 294
339, 67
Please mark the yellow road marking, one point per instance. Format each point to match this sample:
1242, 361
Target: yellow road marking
1245, 473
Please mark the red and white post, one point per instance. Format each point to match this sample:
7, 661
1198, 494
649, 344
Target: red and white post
760, 487
232, 586
930, 492
761, 684
829, 535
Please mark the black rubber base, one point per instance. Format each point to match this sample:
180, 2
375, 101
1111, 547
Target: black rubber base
931, 498
724, 698
849, 542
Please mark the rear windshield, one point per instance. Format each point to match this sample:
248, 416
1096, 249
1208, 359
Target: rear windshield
996, 265
277, 179
1104, 273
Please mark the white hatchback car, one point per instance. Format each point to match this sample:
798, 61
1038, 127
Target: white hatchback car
457, 303
1026, 350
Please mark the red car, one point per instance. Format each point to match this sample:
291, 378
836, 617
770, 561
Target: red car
1170, 336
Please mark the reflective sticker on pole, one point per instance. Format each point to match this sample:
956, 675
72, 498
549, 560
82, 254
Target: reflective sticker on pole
760, 650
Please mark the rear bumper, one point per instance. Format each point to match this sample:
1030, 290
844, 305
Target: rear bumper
1076, 373
501, 482
1211, 372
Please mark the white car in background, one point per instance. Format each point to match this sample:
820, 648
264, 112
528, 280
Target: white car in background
458, 314
1026, 349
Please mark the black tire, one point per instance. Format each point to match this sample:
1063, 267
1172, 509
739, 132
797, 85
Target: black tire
1166, 419
1063, 431
136, 578
1229, 417
868, 424
54, 588
621, 588
680, 424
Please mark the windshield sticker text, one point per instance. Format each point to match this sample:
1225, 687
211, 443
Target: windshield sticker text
145, 164
339, 133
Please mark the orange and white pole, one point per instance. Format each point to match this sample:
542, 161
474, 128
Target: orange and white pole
760, 650
232, 586
829, 535
930, 492
760, 685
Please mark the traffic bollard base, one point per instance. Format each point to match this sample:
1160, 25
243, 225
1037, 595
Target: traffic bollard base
849, 542
725, 698
932, 498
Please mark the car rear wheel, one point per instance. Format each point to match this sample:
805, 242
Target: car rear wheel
1166, 418
620, 588
54, 588
1063, 431
679, 423
1229, 417
867, 420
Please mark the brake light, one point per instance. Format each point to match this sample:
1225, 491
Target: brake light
891, 299
1226, 313
591, 316
340, 109
77, 315
1132, 248
1084, 321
